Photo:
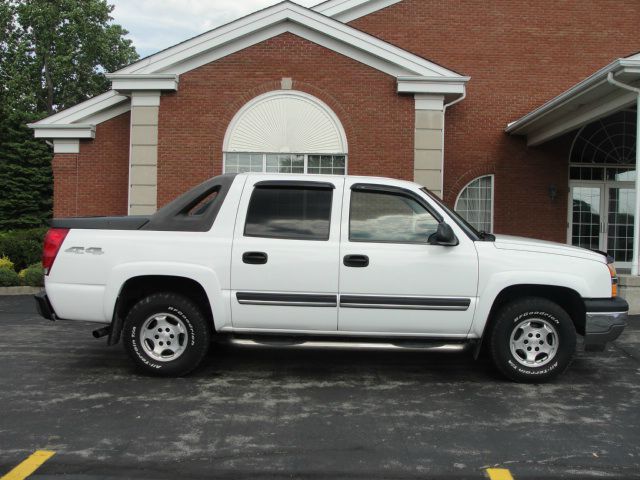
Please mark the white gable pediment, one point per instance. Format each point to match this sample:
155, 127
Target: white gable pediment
278, 19
161, 71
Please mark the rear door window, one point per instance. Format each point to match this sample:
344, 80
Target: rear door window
296, 213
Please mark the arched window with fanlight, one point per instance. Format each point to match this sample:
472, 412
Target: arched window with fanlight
286, 131
475, 203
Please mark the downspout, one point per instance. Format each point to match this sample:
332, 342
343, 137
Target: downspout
444, 111
636, 216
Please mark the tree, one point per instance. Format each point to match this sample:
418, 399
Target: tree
53, 55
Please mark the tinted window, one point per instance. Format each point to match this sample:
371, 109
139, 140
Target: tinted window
388, 217
286, 212
203, 203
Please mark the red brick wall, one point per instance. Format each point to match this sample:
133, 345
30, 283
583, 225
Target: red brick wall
519, 54
65, 183
94, 182
378, 122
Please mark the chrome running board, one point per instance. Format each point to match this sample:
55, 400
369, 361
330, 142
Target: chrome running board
297, 343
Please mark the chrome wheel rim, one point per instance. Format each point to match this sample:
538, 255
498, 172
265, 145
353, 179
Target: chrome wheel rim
534, 342
163, 337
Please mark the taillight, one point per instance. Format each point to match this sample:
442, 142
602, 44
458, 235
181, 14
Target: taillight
52, 243
614, 279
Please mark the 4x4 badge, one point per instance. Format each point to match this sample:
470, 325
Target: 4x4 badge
81, 250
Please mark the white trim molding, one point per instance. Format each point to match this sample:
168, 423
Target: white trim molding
80, 120
349, 10
452, 88
77, 130
126, 82
84, 111
591, 99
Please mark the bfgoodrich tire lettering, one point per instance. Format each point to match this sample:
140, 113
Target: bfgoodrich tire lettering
189, 322
557, 338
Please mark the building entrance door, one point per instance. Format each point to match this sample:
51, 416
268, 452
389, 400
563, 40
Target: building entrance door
601, 216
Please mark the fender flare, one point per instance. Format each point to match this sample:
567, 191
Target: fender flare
501, 281
205, 277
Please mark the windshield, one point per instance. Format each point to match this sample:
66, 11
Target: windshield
462, 223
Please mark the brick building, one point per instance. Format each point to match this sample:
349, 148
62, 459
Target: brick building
504, 108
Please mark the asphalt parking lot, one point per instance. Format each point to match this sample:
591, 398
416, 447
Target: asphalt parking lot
255, 413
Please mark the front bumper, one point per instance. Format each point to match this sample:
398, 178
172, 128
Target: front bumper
44, 305
605, 321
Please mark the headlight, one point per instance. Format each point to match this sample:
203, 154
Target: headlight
614, 280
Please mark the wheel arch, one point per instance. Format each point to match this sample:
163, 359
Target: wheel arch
139, 287
567, 298
132, 283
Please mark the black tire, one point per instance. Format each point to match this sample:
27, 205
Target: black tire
183, 316
544, 315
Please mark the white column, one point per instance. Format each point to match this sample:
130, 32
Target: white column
143, 152
636, 216
429, 142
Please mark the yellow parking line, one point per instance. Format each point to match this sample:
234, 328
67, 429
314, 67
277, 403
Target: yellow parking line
495, 474
30, 465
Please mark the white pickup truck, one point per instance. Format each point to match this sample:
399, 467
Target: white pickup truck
325, 261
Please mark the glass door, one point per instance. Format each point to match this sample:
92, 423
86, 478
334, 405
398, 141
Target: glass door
586, 221
601, 216
621, 200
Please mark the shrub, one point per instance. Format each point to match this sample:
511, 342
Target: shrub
6, 263
23, 247
8, 278
33, 275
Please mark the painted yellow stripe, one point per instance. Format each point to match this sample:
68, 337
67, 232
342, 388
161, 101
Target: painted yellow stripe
499, 474
30, 465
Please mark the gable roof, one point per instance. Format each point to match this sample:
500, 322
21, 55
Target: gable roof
275, 20
348, 10
165, 66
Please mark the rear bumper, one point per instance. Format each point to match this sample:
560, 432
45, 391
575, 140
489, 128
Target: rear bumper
44, 305
605, 321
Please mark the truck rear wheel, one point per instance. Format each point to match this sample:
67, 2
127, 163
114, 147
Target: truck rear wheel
532, 340
166, 334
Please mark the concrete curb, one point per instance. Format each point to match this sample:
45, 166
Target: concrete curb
19, 290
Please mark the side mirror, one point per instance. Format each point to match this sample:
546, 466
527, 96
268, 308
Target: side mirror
443, 236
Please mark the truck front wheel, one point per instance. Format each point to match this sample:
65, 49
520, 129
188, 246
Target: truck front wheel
166, 334
532, 340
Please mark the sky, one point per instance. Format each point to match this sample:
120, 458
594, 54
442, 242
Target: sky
157, 24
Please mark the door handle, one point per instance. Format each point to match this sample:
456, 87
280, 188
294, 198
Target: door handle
255, 258
357, 261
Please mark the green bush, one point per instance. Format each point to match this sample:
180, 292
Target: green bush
23, 247
5, 262
8, 278
33, 275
